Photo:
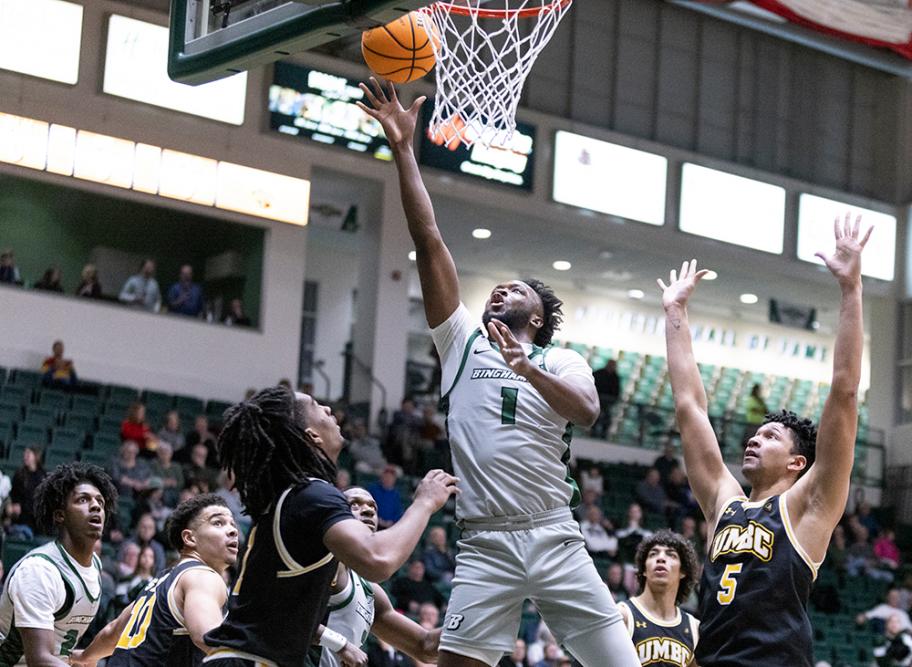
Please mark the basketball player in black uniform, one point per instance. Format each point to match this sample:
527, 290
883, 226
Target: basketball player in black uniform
165, 624
282, 449
663, 634
765, 551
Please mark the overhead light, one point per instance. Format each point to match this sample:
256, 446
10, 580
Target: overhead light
481, 233
606, 254
412, 256
710, 275
561, 265
749, 299
636, 293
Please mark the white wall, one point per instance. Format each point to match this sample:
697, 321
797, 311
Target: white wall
167, 353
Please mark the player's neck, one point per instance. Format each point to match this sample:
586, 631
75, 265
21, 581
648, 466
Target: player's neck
660, 604
80, 550
218, 566
764, 489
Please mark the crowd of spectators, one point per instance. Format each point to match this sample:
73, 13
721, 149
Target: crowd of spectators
141, 290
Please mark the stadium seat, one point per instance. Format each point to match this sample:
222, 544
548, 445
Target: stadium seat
56, 400
54, 457
67, 439
158, 401
79, 421
86, 404
10, 412
3, 375
110, 424
39, 416
15, 394
120, 393
24, 378
32, 434
216, 409
189, 405
13, 550
100, 458
105, 442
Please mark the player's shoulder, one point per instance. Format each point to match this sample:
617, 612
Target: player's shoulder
315, 489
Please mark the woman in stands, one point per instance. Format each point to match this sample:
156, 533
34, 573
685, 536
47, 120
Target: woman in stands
134, 427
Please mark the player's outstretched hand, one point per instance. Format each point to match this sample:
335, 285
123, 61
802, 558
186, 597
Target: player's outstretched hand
845, 262
435, 489
352, 656
510, 349
398, 123
681, 286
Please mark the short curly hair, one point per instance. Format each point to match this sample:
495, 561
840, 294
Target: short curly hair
51, 495
185, 513
804, 433
552, 315
686, 554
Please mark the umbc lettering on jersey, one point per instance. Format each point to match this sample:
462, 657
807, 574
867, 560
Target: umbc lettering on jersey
752, 538
664, 650
496, 374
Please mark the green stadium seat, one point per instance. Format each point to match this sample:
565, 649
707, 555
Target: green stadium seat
15, 450
3, 375
216, 409
189, 405
15, 394
110, 424
10, 412
158, 401
55, 457
39, 416
56, 400
105, 442
99, 458
116, 408
86, 404
24, 378
67, 439
32, 434
121, 393
79, 421
13, 550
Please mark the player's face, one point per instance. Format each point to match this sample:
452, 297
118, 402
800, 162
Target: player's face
83, 515
769, 451
363, 507
515, 304
322, 425
216, 536
663, 566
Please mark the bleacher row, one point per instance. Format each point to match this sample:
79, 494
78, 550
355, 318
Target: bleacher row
79, 426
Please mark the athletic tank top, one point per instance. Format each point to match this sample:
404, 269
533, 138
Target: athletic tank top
70, 621
351, 614
510, 448
155, 633
661, 643
754, 590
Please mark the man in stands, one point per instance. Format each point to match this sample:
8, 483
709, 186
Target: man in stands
185, 297
56, 370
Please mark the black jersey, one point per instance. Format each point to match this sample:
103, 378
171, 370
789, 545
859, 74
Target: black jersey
754, 590
282, 591
660, 643
155, 634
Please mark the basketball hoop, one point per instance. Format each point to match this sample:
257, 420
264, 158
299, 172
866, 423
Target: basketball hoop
483, 58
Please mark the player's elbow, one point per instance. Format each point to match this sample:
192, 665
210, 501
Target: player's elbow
589, 414
844, 389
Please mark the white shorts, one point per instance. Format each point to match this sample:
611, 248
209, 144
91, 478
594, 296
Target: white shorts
542, 558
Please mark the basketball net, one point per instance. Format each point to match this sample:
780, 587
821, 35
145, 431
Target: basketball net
483, 59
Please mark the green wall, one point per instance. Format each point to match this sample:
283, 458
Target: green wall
48, 225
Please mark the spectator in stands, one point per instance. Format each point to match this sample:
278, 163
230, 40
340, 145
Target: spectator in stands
886, 551
56, 370
50, 281
598, 534
429, 616
89, 286
144, 536
198, 472
439, 560
9, 274
630, 536
592, 480
141, 289
883, 611
403, 432
135, 428
432, 427
615, 581
199, 435
232, 497
127, 563
666, 462
608, 386
896, 649
365, 449
413, 590
689, 532
679, 493
867, 519
861, 558
381, 654
129, 472
185, 297
651, 495
236, 316
554, 657
171, 433
170, 473
389, 502
22, 494
755, 412
129, 587
151, 501
343, 479
837, 551
517, 658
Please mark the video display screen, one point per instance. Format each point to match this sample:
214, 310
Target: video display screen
320, 106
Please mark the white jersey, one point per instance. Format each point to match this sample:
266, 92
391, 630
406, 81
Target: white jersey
510, 448
48, 590
351, 614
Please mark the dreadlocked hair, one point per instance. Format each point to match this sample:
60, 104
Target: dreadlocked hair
263, 443
552, 315
686, 555
51, 495
186, 513
804, 433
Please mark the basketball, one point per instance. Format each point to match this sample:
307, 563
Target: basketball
401, 51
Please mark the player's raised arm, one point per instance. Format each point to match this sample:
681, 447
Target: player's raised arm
401, 632
818, 499
439, 283
710, 479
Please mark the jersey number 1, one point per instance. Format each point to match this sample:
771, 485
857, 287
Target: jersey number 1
728, 584
508, 405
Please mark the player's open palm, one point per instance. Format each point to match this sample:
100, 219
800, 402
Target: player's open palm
845, 261
436, 488
681, 285
398, 123
352, 656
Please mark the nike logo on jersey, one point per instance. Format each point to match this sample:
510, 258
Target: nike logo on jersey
752, 538
481, 351
496, 374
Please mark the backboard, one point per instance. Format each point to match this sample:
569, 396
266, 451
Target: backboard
212, 39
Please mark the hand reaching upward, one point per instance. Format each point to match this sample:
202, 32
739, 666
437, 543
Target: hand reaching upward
398, 123
510, 349
680, 287
845, 262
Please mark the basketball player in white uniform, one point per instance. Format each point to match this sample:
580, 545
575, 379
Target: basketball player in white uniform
358, 607
511, 401
52, 594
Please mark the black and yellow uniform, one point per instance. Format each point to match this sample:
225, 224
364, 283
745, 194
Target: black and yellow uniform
282, 591
662, 643
754, 590
155, 634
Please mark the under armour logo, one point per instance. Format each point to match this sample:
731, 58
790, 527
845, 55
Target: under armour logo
641, 624
768, 507
729, 512
454, 621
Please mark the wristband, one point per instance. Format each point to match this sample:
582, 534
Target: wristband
332, 640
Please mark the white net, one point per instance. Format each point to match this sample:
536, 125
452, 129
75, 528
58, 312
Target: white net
483, 62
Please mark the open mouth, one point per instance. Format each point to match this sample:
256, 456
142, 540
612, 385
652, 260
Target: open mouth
96, 520
233, 545
368, 522
660, 570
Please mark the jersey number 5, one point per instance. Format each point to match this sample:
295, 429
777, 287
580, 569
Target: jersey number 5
508, 406
134, 633
728, 584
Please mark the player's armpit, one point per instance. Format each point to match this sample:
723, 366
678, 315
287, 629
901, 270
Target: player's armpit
38, 647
